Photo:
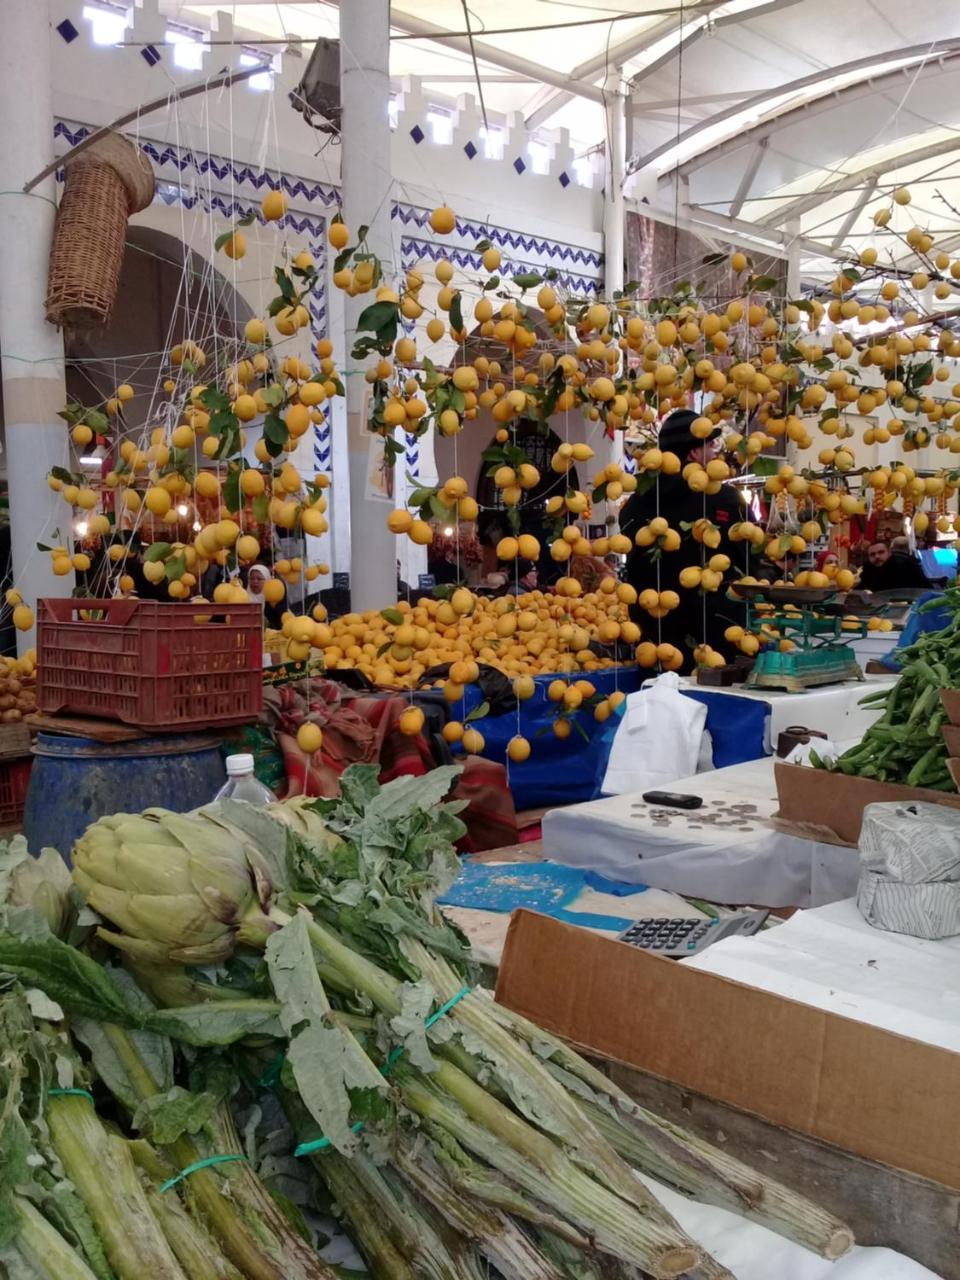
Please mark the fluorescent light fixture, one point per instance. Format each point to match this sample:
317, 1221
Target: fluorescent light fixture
90, 460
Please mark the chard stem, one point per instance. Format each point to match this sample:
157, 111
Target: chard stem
101, 1168
244, 1249
43, 1247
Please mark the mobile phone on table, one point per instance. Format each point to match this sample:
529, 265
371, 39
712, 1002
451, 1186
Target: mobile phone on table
672, 800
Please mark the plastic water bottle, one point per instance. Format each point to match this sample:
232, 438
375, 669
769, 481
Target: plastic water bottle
242, 784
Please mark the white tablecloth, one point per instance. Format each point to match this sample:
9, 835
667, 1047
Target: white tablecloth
753, 1253
747, 861
832, 959
876, 645
833, 709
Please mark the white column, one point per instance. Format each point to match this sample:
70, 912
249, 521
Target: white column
614, 215
792, 232
365, 161
32, 350
339, 456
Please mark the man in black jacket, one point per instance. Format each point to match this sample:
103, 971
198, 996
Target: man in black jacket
700, 616
887, 568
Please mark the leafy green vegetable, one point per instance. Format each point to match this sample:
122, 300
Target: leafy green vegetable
326, 1060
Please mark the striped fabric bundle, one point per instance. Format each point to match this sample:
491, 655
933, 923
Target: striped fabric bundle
910, 869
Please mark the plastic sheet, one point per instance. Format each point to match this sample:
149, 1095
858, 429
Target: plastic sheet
753, 1253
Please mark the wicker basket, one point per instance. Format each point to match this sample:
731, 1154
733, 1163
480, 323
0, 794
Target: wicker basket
104, 185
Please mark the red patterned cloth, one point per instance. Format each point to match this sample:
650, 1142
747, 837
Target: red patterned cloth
357, 729
363, 729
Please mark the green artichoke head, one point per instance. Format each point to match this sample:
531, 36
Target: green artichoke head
178, 888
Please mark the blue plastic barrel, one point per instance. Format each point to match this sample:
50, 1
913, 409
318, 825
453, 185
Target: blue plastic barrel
75, 781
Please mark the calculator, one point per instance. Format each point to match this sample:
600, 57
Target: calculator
682, 937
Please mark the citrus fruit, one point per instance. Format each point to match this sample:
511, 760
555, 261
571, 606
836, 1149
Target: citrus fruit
273, 206
443, 220
309, 738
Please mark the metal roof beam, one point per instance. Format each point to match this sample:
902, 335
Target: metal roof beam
703, 222
545, 103
711, 25
746, 182
491, 54
940, 51
861, 202
909, 155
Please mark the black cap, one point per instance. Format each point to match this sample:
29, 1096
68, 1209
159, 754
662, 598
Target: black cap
675, 435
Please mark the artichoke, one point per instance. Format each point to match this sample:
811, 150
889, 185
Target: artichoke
180, 888
41, 884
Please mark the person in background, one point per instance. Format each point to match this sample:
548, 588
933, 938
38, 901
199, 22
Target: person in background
698, 617
889, 570
257, 575
827, 558
937, 561
589, 571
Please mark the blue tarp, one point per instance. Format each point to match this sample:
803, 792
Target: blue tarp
559, 771
736, 725
917, 623
568, 771
546, 887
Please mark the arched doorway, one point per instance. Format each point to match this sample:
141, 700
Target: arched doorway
167, 292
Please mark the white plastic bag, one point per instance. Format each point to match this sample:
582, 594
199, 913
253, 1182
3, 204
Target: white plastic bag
658, 740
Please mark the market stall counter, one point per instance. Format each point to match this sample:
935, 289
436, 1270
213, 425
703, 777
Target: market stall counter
744, 723
728, 850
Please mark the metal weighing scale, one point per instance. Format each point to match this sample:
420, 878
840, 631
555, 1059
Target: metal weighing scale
815, 624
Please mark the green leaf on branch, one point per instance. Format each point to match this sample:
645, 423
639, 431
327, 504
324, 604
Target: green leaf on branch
440, 510
247, 220
223, 239
273, 395
491, 283
96, 421
762, 283
232, 499
482, 246
214, 400
175, 568
456, 313
393, 616
157, 551
260, 507
72, 412
275, 430
285, 285
478, 713
343, 257
527, 280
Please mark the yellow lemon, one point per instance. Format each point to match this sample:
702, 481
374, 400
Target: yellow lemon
273, 206
309, 737
443, 220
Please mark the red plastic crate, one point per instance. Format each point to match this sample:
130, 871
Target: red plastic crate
14, 780
156, 666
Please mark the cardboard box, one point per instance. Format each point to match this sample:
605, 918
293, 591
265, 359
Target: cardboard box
879, 1095
835, 802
